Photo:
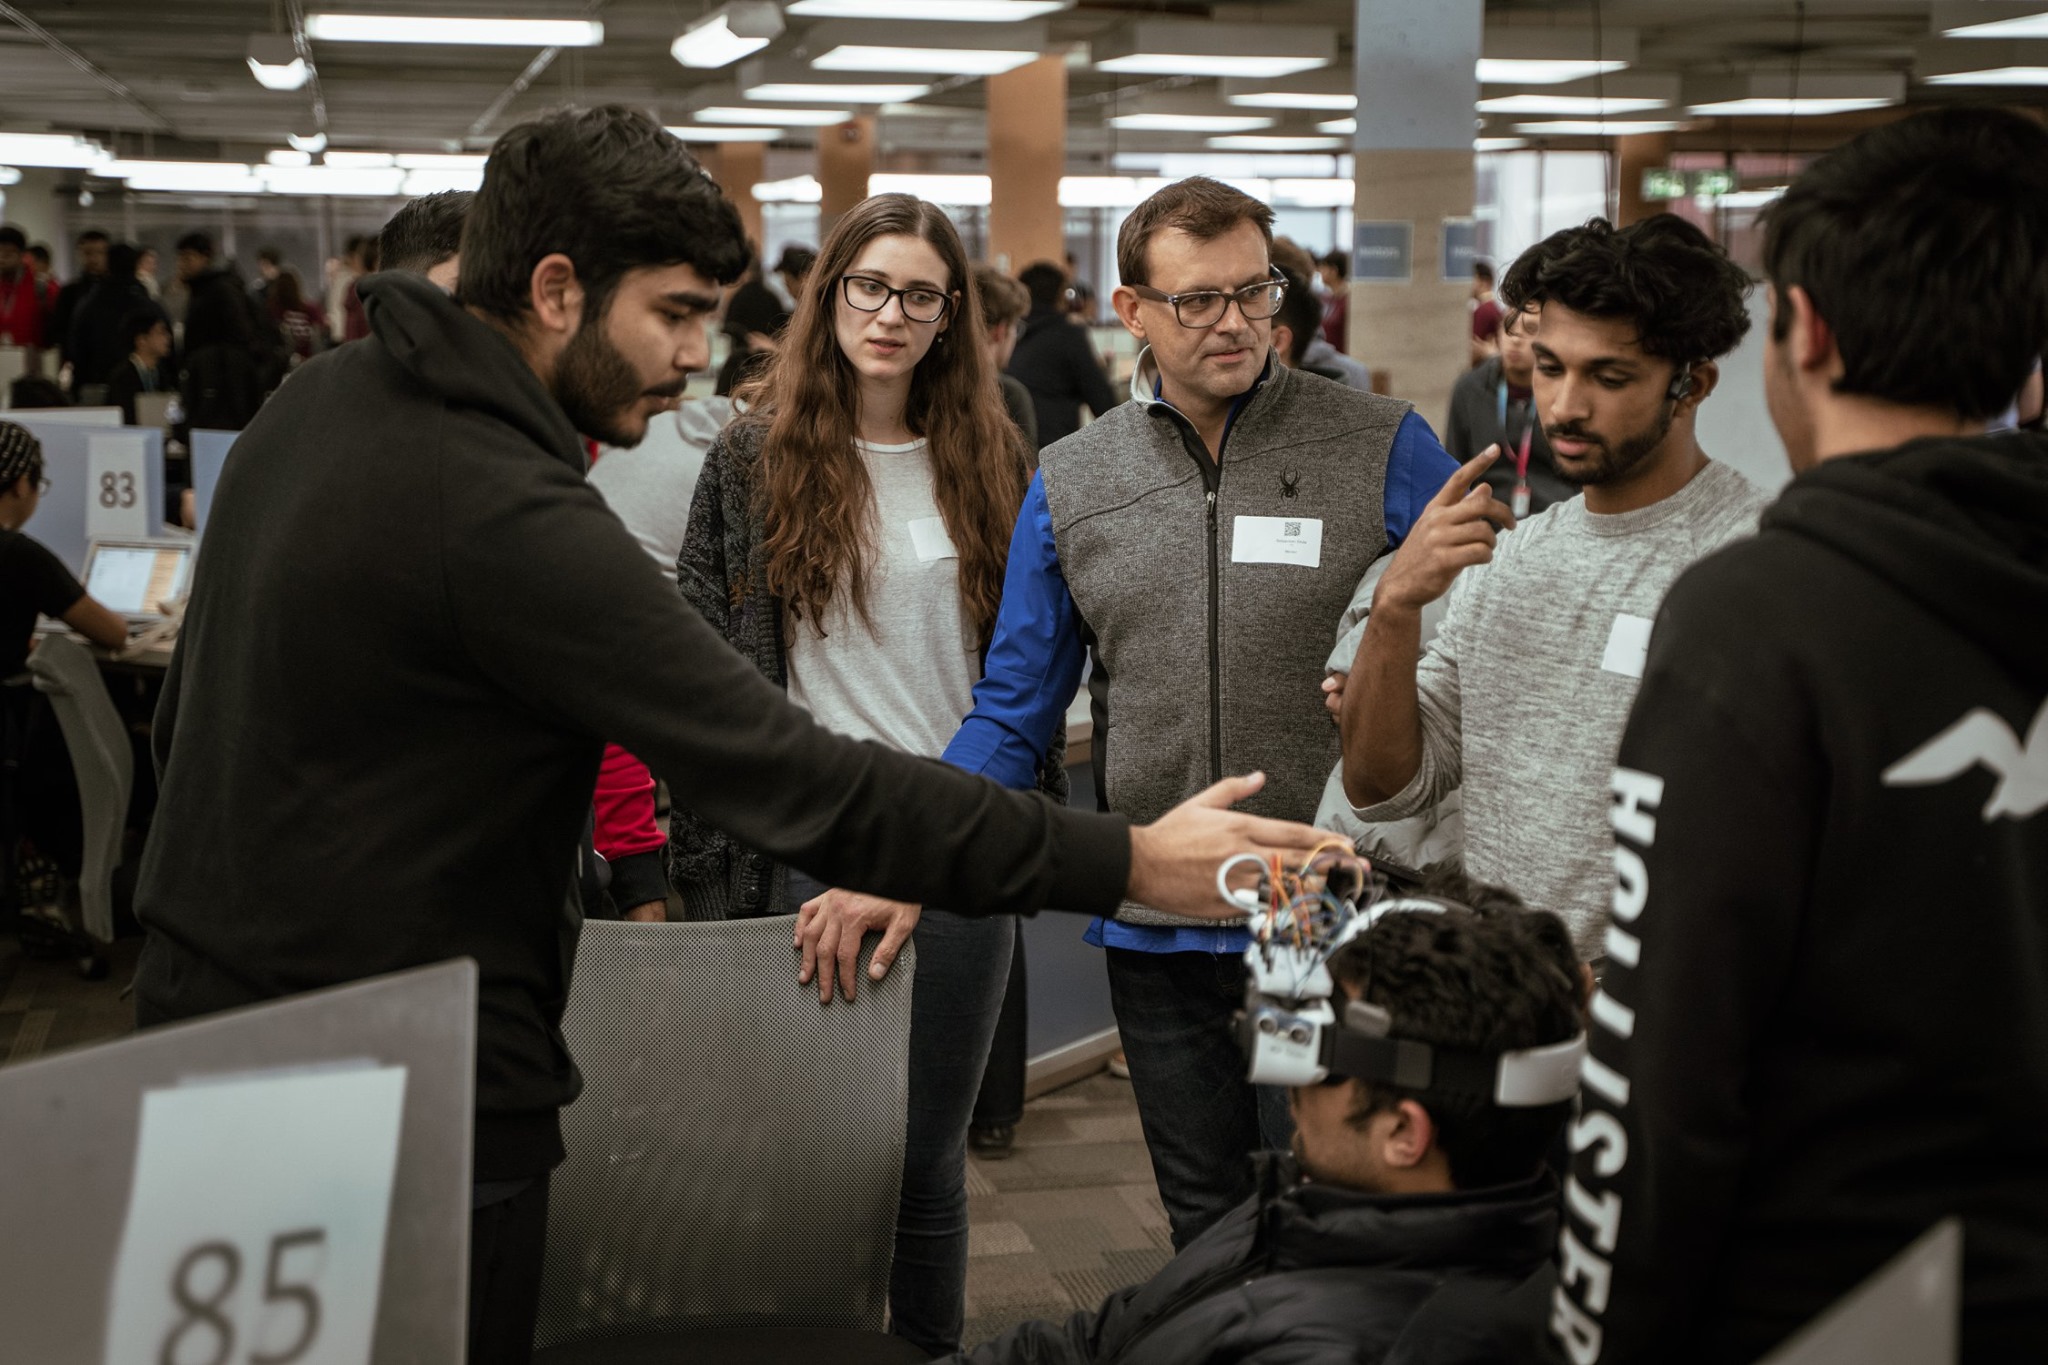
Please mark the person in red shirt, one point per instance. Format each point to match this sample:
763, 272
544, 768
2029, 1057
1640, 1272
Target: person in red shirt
1486, 314
21, 299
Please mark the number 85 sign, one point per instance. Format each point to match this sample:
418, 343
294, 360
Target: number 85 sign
255, 1230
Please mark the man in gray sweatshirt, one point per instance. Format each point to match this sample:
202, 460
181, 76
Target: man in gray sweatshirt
1523, 692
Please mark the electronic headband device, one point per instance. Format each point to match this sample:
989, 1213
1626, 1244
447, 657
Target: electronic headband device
1292, 1034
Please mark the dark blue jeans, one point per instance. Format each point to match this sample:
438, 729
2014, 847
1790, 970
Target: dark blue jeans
962, 964
1202, 1118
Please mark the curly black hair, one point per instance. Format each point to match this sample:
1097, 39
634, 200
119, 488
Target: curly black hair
1487, 974
1685, 297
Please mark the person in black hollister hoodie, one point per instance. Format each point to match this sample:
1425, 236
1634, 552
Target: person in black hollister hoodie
414, 624
1825, 1025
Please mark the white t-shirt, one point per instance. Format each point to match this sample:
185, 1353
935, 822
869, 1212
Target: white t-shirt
906, 676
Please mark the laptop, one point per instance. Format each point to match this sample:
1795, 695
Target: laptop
132, 578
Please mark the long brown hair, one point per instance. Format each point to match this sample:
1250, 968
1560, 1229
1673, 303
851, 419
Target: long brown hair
812, 492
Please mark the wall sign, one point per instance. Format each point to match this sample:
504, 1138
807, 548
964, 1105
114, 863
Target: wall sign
1383, 252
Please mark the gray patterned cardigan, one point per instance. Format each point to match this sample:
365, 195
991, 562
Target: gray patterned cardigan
721, 572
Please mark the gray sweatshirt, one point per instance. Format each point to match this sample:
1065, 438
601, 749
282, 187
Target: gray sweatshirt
1527, 685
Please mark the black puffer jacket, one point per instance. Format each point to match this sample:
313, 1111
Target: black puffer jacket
1311, 1274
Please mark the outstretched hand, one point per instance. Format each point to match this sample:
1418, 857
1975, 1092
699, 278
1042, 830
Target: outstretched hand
1174, 859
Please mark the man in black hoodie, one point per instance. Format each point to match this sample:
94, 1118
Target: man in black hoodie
1825, 1025
223, 379
414, 624
1406, 1220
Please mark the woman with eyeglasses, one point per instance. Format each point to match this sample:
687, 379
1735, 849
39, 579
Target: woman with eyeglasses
849, 534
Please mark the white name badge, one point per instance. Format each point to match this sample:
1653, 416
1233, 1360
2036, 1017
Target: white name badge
256, 1222
1628, 646
928, 537
116, 485
1277, 540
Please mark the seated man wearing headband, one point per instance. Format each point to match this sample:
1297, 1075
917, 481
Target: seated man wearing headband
1408, 1213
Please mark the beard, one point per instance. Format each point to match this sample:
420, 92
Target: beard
598, 387
1609, 461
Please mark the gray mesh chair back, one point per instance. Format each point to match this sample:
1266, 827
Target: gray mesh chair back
101, 761
735, 1157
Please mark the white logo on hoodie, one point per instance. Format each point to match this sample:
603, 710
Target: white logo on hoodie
1982, 736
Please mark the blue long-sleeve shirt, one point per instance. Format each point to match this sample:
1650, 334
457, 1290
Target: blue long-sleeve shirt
1035, 659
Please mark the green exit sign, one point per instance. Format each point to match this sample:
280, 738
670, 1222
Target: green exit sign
1660, 182
1713, 184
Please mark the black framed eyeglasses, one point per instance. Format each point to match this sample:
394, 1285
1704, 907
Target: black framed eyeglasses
1205, 307
870, 295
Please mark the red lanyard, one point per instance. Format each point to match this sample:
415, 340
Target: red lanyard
1521, 502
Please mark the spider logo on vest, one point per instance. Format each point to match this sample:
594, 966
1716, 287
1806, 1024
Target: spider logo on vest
1290, 485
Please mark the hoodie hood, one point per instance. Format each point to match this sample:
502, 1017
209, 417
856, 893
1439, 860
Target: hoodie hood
464, 360
1957, 524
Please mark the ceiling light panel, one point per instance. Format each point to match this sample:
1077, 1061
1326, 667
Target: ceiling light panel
1591, 106
59, 150
1983, 63
759, 115
1254, 142
1981, 19
939, 11
453, 31
1518, 71
1158, 47
1782, 94
734, 132
732, 31
1566, 127
1190, 123
1552, 54
973, 51
805, 92
766, 82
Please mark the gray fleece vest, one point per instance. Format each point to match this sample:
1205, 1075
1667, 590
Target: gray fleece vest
1204, 666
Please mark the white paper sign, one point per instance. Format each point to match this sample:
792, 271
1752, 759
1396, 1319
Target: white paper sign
1628, 646
1277, 540
116, 485
256, 1222
928, 536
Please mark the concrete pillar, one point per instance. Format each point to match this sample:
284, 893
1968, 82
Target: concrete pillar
1418, 85
1635, 153
738, 167
1027, 154
846, 158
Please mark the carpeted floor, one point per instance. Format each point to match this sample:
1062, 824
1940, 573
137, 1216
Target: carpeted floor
1069, 1217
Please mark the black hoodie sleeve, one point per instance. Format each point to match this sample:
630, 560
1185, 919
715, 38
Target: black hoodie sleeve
553, 598
1713, 793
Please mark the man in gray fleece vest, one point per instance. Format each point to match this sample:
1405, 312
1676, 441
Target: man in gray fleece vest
1197, 542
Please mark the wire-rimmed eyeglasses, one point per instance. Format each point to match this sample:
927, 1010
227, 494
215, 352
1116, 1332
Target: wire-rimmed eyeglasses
870, 295
1205, 307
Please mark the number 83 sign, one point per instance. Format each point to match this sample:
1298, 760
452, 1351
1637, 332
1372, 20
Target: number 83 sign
256, 1223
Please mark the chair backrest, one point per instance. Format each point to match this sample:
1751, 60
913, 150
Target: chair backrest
736, 1153
101, 760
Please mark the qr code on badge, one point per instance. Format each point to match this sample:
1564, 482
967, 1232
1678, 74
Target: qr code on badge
1290, 529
